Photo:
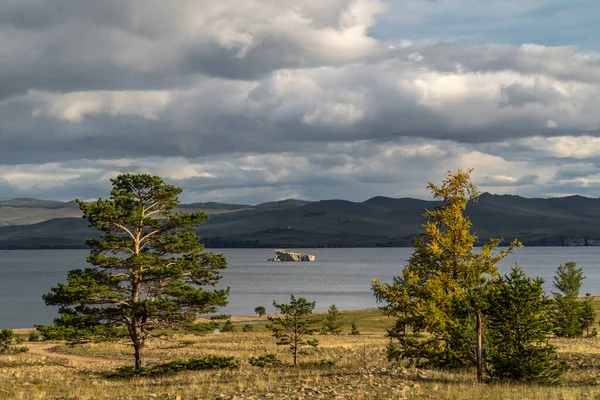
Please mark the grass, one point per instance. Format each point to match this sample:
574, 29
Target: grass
361, 370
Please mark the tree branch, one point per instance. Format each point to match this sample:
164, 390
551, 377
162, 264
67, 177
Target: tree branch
123, 227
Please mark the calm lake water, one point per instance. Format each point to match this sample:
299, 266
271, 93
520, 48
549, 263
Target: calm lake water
339, 276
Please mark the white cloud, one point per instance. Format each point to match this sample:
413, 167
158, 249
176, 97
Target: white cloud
75, 106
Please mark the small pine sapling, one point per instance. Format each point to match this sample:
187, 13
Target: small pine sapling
293, 328
332, 323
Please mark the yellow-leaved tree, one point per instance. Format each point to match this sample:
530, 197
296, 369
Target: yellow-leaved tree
438, 296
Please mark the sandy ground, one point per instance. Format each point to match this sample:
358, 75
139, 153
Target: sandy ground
47, 350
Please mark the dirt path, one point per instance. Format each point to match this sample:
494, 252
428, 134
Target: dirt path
45, 349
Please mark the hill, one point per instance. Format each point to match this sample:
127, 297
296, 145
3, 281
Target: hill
379, 221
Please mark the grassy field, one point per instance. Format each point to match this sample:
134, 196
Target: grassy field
59, 371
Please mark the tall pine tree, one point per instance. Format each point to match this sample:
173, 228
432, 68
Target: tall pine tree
148, 269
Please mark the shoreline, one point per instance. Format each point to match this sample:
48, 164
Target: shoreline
234, 319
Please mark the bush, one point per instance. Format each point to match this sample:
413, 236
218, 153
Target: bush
268, 360
8, 342
202, 327
195, 364
228, 327
354, 329
324, 363
247, 328
34, 336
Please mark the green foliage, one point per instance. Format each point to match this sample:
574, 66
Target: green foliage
228, 327
202, 327
292, 329
588, 316
268, 360
148, 269
332, 323
324, 363
571, 318
439, 291
34, 336
220, 317
197, 364
9, 342
260, 311
92, 333
519, 325
247, 328
354, 329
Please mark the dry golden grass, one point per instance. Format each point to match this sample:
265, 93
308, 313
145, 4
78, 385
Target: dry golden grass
361, 371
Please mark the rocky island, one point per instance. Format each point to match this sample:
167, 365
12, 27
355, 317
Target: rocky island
291, 255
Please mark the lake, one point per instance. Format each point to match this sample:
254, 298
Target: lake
339, 276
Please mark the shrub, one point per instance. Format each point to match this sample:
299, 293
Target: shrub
247, 328
9, 342
324, 363
354, 329
195, 364
202, 327
228, 327
268, 360
34, 336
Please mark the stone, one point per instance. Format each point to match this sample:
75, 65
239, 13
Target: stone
291, 255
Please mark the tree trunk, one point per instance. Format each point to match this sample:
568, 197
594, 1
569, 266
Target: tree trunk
479, 354
295, 351
140, 358
139, 341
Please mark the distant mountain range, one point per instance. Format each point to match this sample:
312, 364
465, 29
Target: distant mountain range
377, 222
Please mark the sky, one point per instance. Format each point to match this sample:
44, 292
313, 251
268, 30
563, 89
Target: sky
246, 101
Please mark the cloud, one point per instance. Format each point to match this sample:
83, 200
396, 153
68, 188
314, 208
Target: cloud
260, 100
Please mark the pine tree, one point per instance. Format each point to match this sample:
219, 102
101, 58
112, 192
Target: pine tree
439, 290
519, 326
568, 314
588, 316
291, 330
148, 269
332, 323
